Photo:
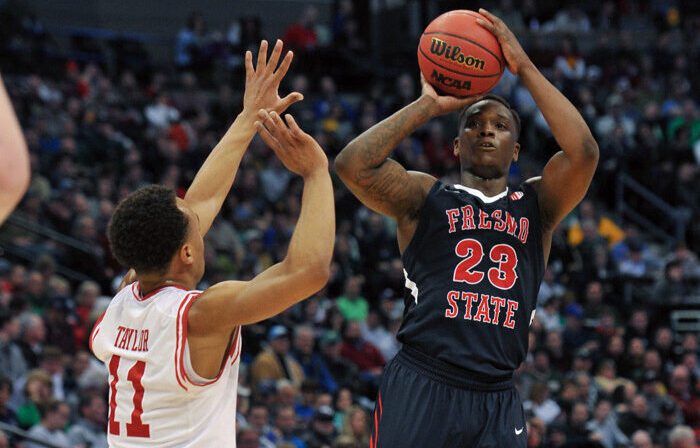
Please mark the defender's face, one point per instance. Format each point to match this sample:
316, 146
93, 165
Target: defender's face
487, 144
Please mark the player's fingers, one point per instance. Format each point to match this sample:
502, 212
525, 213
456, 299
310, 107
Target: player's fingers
289, 100
284, 66
488, 15
268, 138
293, 126
274, 57
262, 56
486, 24
249, 70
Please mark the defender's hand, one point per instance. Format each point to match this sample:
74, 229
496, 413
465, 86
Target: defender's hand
443, 104
516, 58
262, 82
297, 150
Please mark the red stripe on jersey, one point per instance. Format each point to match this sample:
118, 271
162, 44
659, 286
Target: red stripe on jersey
178, 337
235, 349
231, 351
95, 330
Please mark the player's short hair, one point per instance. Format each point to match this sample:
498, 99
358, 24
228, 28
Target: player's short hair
497, 98
146, 229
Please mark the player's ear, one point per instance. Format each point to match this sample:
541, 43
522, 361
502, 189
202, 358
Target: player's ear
455, 147
186, 254
516, 152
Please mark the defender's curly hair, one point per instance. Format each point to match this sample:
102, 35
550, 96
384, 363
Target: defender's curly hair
497, 98
147, 229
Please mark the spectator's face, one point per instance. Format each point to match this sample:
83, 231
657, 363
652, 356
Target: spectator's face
59, 418
344, 400
96, 411
286, 421
304, 342
353, 331
358, 422
616, 346
579, 415
636, 347
641, 439
280, 345
664, 338
258, 417
248, 439
487, 143
324, 426
602, 411
639, 406
680, 380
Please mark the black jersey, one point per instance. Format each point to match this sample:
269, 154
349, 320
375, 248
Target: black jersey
473, 270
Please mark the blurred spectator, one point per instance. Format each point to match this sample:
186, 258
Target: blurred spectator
276, 362
89, 430
310, 360
603, 423
11, 357
321, 432
54, 417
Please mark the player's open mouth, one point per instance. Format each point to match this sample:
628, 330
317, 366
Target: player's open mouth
486, 145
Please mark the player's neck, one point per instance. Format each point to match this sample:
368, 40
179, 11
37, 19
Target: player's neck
490, 187
148, 283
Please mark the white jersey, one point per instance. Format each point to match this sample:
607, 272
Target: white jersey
155, 397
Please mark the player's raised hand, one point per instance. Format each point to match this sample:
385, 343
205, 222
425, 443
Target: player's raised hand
262, 82
516, 58
444, 104
297, 150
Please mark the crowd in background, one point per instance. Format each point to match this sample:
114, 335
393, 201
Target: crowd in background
606, 367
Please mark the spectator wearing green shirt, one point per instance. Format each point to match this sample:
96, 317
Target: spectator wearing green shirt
351, 304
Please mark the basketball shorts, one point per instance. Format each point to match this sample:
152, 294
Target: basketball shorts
425, 403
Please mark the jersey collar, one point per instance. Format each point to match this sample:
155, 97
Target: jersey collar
482, 196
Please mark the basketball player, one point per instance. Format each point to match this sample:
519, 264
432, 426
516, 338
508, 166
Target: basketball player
172, 351
473, 254
14, 169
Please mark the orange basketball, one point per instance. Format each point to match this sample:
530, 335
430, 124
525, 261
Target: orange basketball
458, 57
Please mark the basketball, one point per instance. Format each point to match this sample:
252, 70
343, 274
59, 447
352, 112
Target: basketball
459, 57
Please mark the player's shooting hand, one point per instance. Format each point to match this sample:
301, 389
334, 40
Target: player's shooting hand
516, 58
444, 104
262, 82
297, 150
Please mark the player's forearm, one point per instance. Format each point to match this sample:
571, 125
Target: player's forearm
370, 149
311, 246
568, 126
214, 179
14, 170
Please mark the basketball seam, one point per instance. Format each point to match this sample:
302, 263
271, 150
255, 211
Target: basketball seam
455, 71
500, 63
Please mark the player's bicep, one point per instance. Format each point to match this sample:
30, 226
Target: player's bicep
390, 189
564, 183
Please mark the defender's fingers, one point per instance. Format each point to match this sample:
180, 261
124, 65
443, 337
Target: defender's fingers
290, 99
487, 25
274, 57
249, 70
262, 56
293, 126
284, 66
267, 137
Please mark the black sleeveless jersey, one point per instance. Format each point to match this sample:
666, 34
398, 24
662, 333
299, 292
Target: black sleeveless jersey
473, 270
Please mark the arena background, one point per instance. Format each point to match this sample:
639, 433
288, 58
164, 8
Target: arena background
115, 95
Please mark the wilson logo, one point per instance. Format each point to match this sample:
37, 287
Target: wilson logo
454, 53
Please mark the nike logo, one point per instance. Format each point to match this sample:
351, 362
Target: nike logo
519, 431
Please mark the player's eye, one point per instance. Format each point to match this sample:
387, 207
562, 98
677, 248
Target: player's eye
501, 125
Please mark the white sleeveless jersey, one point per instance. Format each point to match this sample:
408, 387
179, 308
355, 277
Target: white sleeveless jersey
155, 397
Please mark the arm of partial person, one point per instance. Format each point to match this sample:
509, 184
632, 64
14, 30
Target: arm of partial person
214, 179
14, 170
305, 269
567, 175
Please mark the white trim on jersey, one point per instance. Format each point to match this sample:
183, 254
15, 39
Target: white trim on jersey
410, 284
480, 195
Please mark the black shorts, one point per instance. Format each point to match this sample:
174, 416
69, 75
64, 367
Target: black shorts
425, 403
